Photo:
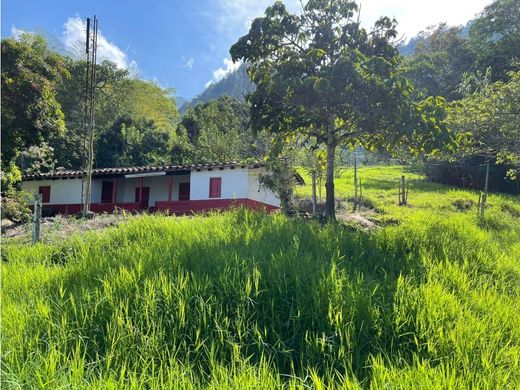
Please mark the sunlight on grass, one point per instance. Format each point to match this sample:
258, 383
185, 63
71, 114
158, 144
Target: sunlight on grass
248, 300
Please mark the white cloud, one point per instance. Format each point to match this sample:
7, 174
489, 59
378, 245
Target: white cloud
414, 16
74, 41
16, 33
222, 72
189, 62
232, 18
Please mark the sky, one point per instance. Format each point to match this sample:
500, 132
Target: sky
185, 44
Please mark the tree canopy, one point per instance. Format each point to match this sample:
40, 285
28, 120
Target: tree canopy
31, 112
322, 75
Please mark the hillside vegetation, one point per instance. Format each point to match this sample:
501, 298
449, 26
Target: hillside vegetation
248, 300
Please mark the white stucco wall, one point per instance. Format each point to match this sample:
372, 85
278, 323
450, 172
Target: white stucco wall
238, 183
258, 192
63, 191
234, 183
158, 188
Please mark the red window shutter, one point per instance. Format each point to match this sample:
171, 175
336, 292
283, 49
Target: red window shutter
45, 192
215, 185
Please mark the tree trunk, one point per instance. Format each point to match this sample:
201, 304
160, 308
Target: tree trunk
330, 208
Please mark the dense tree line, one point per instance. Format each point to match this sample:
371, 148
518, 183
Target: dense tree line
136, 121
317, 80
476, 69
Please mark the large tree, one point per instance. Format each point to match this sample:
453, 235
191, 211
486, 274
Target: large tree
30, 110
322, 75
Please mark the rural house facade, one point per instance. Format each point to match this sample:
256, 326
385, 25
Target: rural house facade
178, 189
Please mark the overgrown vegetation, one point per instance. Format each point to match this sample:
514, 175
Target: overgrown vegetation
247, 300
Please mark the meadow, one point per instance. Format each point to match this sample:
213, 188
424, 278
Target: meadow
428, 299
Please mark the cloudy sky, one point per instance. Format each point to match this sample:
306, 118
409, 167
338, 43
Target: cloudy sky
185, 44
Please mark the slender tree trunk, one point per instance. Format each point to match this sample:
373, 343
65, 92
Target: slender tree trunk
330, 207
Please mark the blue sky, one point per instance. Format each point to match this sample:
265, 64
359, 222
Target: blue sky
185, 44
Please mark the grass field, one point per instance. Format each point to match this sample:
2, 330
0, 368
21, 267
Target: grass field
245, 300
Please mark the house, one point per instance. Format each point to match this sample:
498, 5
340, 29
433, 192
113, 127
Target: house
178, 189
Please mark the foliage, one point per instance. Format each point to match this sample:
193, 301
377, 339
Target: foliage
132, 142
15, 207
495, 37
280, 164
440, 61
70, 148
215, 131
10, 175
30, 110
246, 300
37, 159
488, 122
322, 75
147, 100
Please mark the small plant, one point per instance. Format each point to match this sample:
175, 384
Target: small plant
15, 207
463, 204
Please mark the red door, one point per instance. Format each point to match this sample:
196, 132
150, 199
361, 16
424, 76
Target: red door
145, 199
184, 191
106, 192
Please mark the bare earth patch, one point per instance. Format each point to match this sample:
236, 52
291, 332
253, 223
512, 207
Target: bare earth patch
360, 220
57, 228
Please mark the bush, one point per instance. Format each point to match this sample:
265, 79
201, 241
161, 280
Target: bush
15, 207
472, 176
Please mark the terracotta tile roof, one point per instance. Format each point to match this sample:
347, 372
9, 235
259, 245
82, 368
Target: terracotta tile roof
99, 172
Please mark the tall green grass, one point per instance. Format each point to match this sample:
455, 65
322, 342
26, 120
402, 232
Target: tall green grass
246, 300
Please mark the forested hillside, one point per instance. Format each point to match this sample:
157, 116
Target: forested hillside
235, 84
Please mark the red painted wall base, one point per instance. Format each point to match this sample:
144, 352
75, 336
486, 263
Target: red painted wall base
193, 206
175, 207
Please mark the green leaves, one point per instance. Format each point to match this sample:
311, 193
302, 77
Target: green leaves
30, 110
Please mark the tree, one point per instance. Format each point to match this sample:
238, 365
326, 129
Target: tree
69, 148
495, 37
30, 110
215, 131
440, 60
488, 123
321, 75
130, 141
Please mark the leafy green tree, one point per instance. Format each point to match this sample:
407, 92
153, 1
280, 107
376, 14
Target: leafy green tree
495, 37
488, 123
131, 141
30, 111
320, 74
117, 96
215, 131
69, 148
145, 99
439, 62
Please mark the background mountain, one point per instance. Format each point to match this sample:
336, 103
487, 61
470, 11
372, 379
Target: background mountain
235, 84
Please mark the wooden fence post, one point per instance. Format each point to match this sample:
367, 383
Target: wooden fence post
37, 215
360, 194
484, 195
313, 175
402, 192
355, 184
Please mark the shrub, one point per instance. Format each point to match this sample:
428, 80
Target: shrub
15, 207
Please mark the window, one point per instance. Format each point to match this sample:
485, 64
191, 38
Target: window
215, 185
45, 192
